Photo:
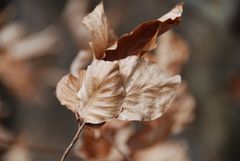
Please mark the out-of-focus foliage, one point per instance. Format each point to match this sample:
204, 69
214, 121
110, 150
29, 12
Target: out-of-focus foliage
40, 39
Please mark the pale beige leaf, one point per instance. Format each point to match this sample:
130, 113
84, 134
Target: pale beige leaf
182, 109
67, 89
73, 14
101, 32
149, 90
18, 152
102, 93
81, 61
115, 124
164, 151
37, 44
11, 33
172, 52
121, 139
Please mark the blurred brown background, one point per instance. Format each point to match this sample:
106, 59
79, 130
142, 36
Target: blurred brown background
212, 29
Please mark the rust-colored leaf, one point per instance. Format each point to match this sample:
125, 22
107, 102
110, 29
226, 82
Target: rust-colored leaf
133, 43
143, 37
171, 18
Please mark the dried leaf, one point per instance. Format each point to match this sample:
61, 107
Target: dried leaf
35, 45
102, 141
167, 151
11, 33
102, 93
143, 37
173, 121
121, 138
115, 124
67, 89
99, 149
149, 90
171, 18
101, 32
109, 143
149, 133
18, 77
172, 53
18, 153
73, 15
133, 43
181, 112
80, 62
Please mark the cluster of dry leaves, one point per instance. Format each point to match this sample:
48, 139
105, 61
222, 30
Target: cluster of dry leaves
20, 53
24, 75
125, 82
119, 82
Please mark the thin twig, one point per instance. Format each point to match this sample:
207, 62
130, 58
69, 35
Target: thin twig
75, 138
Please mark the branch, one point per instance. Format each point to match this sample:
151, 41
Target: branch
75, 138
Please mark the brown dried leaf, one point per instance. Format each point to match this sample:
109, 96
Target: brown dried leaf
172, 53
181, 112
73, 15
149, 90
167, 151
121, 138
143, 37
18, 77
11, 33
18, 152
81, 61
67, 89
101, 32
149, 133
100, 146
35, 45
174, 121
171, 18
115, 124
109, 143
133, 43
102, 93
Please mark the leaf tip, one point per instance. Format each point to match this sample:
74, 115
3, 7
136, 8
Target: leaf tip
178, 9
178, 79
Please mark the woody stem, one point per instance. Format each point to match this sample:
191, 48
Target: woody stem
74, 140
